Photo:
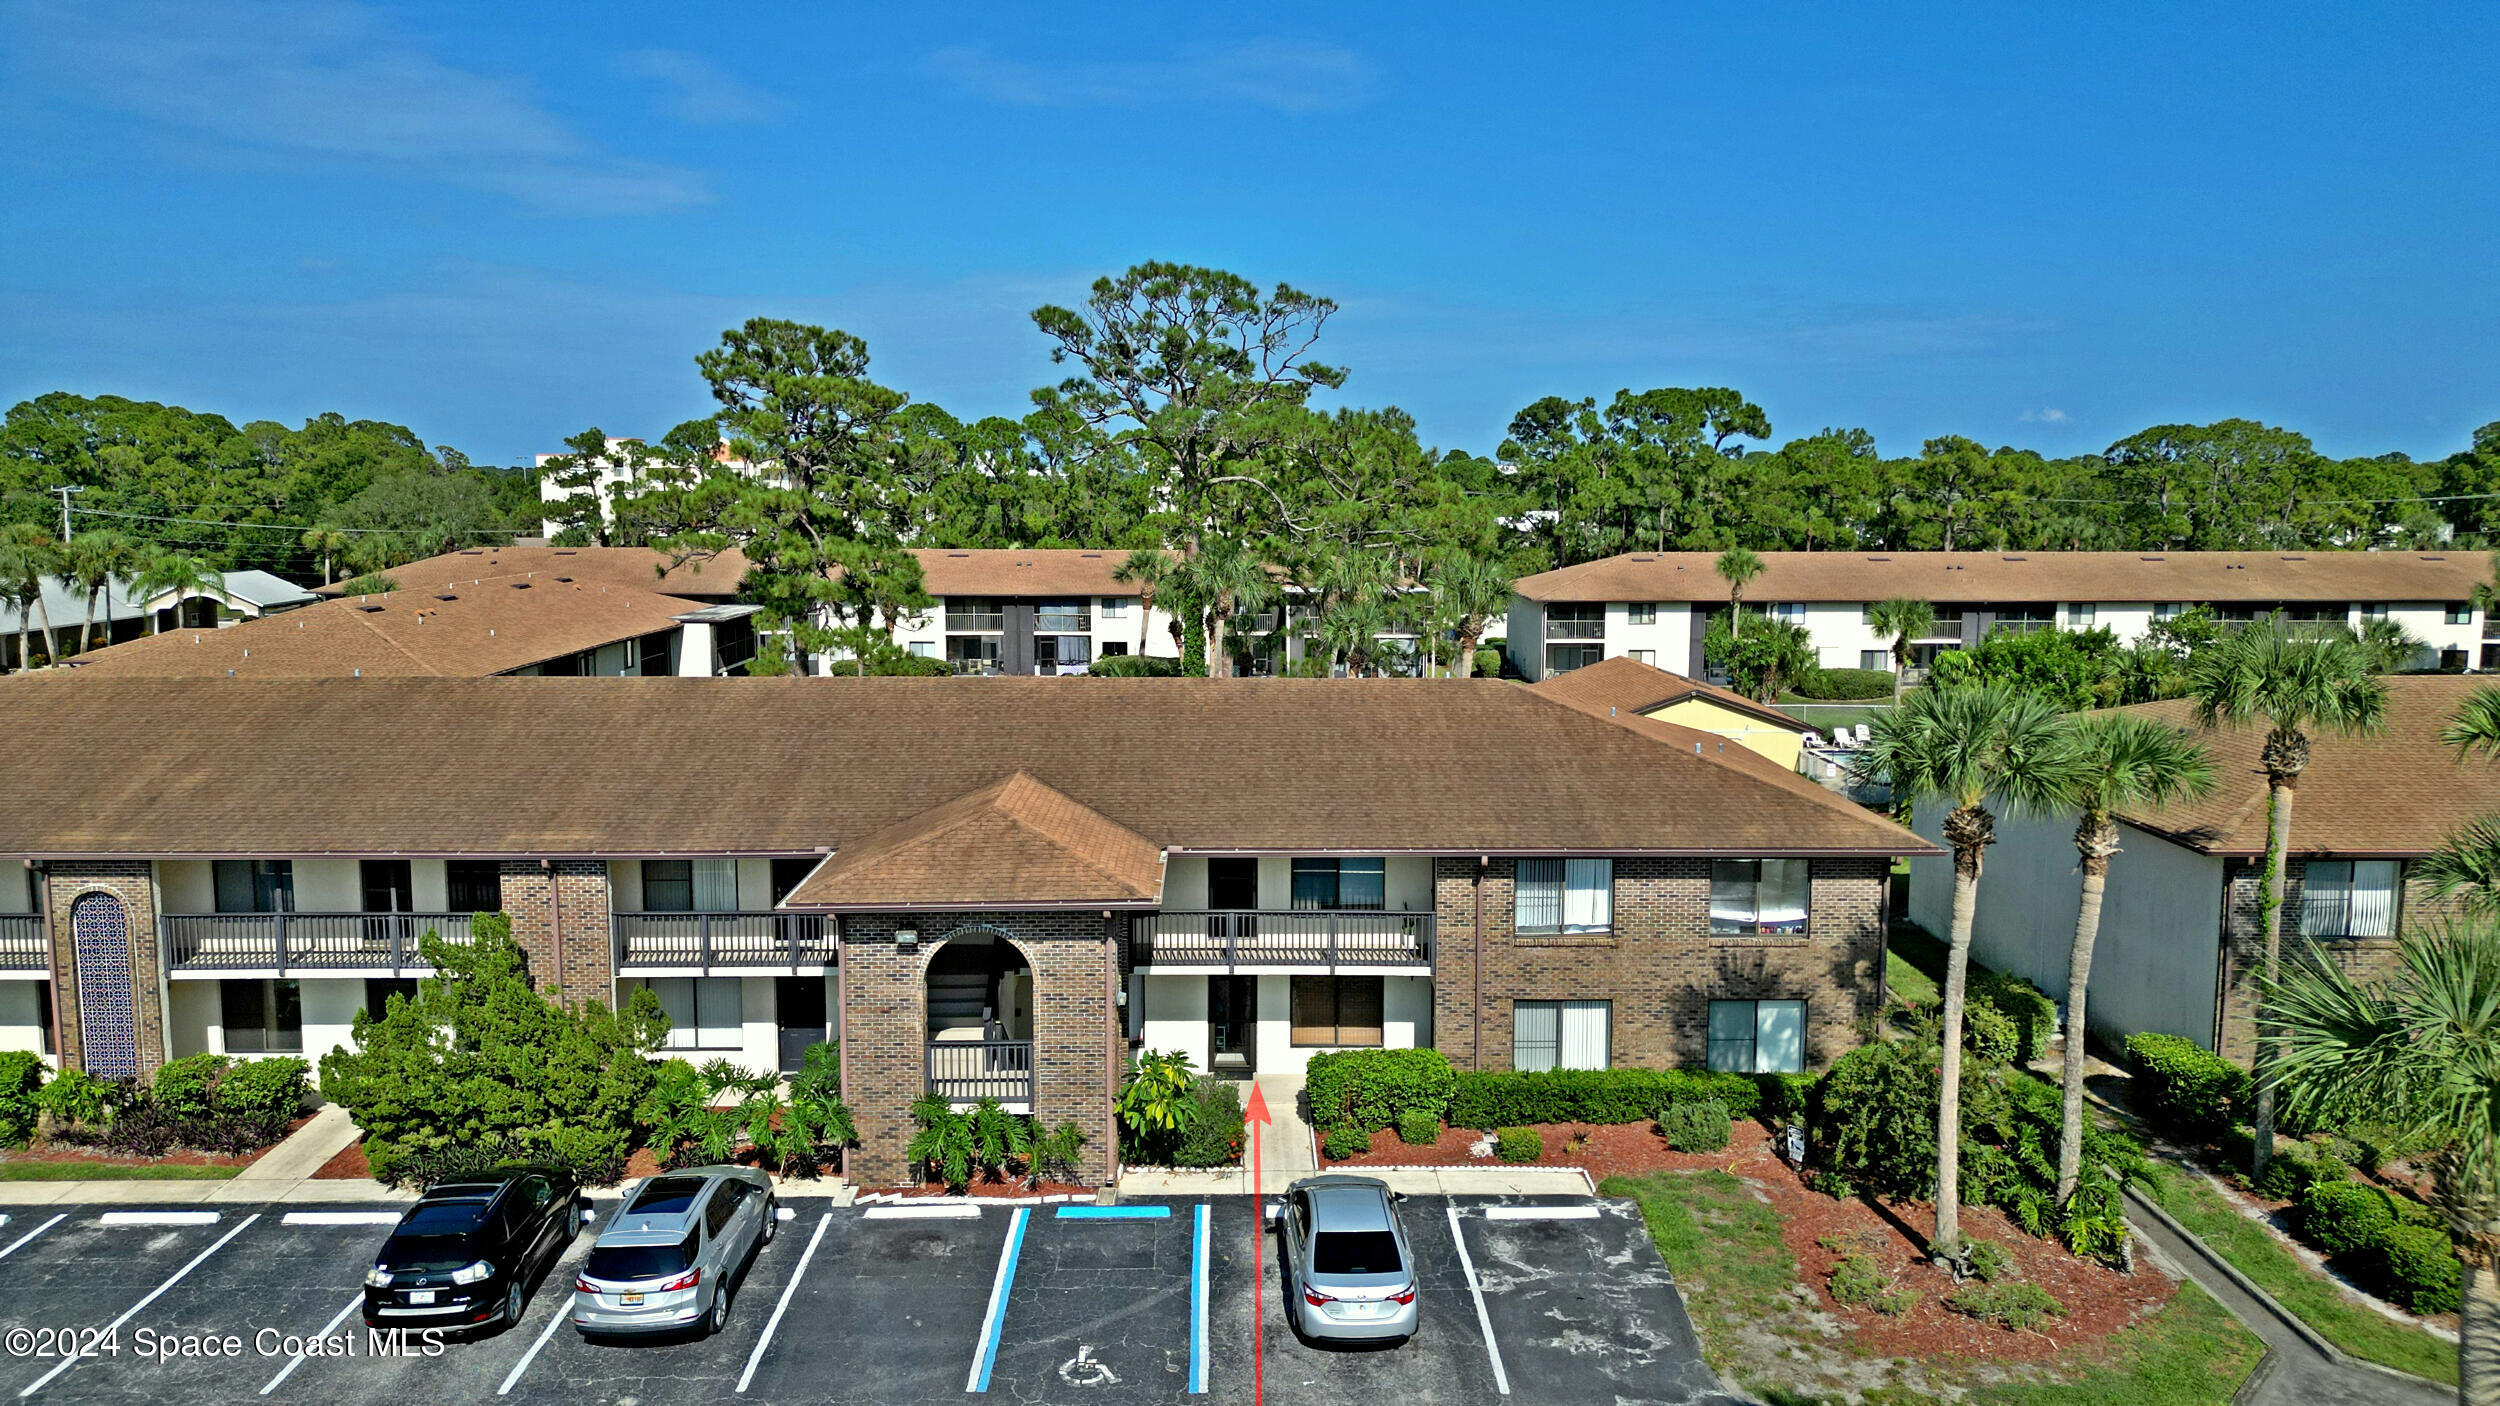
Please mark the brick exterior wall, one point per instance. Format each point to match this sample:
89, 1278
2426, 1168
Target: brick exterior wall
2365, 959
569, 901
1660, 966
1078, 1049
130, 881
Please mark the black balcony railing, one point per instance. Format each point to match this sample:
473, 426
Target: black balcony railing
971, 1070
22, 947
722, 940
1284, 937
281, 942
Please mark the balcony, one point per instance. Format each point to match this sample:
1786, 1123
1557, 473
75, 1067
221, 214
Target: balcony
22, 945
734, 941
368, 944
975, 622
967, 1071
1313, 939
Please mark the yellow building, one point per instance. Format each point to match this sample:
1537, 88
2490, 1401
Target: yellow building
1623, 685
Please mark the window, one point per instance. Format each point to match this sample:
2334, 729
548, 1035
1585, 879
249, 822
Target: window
474, 885
1063, 654
1794, 612
1641, 612
1759, 896
2169, 610
1877, 659
702, 1011
1115, 607
1643, 656
733, 645
973, 654
1063, 617
1575, 622
261, 1017
633, 658
668, 886
2349, 897
1340, 883
923, 649
43, 1015
1758, 1037
787, 874
1356, 1252
974, 613
1561, 1034
1563, 658
658, 657
1336, 1010
1111, 647
380, 989
255, 885
718, 1210
2374, 610
2080, 617
2460, 612
1564, 895
387, 885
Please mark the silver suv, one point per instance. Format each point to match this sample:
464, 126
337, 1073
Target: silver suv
1349, 1275
669, 1261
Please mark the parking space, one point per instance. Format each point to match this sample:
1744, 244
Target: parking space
1148, 1302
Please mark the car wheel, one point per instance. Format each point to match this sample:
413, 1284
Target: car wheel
512, 1303
719, 1321
772, 1220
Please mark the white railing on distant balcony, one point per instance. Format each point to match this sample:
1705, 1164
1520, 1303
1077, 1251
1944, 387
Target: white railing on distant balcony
280, 942
22, 945
723, 940
1282, 937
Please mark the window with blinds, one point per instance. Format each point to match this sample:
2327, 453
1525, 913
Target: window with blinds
1564, 895
1337, 1010
2350, 897
1340, 883
1760, 897
704, 1012
1561, 1034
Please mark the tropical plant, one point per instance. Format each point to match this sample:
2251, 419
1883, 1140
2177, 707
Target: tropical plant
1971, 748
2466, 866
1155, 1103
2122, 760
28, 555
93, 563
2385, 644
176, 574
1150, 569
1468, 593
1901, 620
1774, 655
1737, 566
2295, 683
329, 542
2419, 1054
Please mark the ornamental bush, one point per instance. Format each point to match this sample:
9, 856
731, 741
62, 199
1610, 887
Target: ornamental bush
1695, 1125
76, 1099
1878, 1126
181, 1089
1844, 684
1372, 1089
2421, 1268
2025, 1007
1418, 1128
1787, 1099
1488, 663
1987, 1034
1216, 1135
2295, 1168
2341, 1217
21, 1087
1134, 666
2186, 1087
1346, 1141
2011, 1305
1518, 1144
1499, 1099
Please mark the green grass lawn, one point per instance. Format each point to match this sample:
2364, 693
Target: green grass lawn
1736, 1274
1913, 965
113, 1171
2254, 1251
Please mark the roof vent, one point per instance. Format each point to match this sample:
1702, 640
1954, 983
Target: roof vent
566, 552
520, 585
2432, 558
473, 551
959, 554
447, 597
1879, 558
370, 609
2018, 558
2291, 558
2150, 558
1089, 554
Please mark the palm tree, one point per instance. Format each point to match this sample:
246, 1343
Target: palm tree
2385, 644
1900, 619
1737, 566
2122, 760
2466, 867
1469, 591
175, 574
1972, 748
28, 556
2419, 1054
94, 562
1151, 568
2475, 725
2295, 683
329, 542
1232, 581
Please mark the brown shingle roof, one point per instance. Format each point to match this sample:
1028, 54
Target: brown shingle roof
1626, 685
475, 629
970, 572
1072, 572
1982, 577
520, 766
1016, 836
2397, 793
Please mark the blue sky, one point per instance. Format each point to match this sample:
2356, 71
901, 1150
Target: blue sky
500, 223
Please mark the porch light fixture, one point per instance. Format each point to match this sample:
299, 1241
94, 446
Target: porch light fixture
907, 937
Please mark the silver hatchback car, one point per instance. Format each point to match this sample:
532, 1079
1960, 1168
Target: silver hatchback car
1349, 1275
670, 1259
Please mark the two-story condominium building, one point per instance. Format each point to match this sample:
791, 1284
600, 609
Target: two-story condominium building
1656, 606
986, 887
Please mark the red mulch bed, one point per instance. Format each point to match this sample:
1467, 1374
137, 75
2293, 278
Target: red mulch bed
2098, 1300
987, 1188
347, 1165
180, 1157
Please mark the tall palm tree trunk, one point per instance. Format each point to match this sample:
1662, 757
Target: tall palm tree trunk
2096, 839
1969, 830
2478, 1347
2284, 756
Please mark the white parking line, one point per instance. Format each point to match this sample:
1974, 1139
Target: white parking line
342, 1218
1484, 1320
133, 1311
783, 1306
29, 1235
922, 1213
326, 1330
564, 1307
1540, 1213
985, 1354
157, 1218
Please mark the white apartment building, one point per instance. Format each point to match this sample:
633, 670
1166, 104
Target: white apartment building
1655, 606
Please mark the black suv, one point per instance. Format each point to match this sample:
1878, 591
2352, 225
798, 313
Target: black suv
466, 1253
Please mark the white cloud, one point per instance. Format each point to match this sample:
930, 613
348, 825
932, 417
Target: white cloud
328, 82
700, 91
2046, 415
1275, 73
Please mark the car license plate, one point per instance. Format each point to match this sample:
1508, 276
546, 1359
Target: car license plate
1362, 1310
421, 1296
629, 1300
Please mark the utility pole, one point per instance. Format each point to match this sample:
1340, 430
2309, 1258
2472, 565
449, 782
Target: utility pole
65, 490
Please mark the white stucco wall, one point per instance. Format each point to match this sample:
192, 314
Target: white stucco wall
186, 885
192, 1018
21, 1011
2155, 962
1174, 1016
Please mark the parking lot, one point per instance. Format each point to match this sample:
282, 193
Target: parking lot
1154, 1301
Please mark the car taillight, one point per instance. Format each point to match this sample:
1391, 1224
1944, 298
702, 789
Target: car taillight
1403, 1296
1316, 1299
585, 1286
686, 1280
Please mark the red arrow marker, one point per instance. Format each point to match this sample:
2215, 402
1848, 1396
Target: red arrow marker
1253, 1118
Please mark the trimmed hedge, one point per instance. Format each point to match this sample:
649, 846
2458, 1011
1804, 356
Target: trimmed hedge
2340, 1217
21, 1079
1518, 1144
1417, 1128
1372, 1089
1133, 666
1847, 684
2294, 1169
1503, 1099
2185, 1086
2025, 1007
2422, 1270
1344, 1142
1696, 1125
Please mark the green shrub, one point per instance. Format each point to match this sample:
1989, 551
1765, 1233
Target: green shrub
591, 1157
819, 1076
908, 666
1343, 1142
1134, 666
21, 1083
1878, 1123
1988, 1260
2421, 1268
1787, 1099
2031, 1013
1156, 1104
1695, 1125
2341, 1217
2012, 1305
1488, 663
1372, 1089
1988, 1034
2184, 1086
1216, 1135
184, 1087
1418, 1128
76, 1098
1846, 684
263, 1095
1501, 1099
1518, 1144
372, 583
1858, 1280
2295, 1168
